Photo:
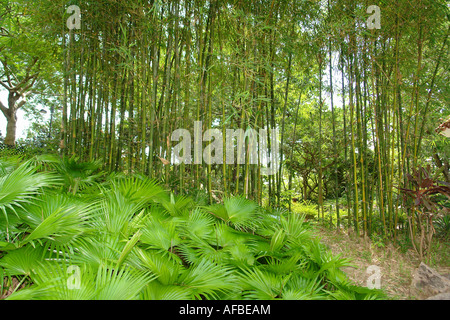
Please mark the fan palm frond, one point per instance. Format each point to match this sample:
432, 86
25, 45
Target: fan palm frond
97, 250
295, 230
166, 269
278, 240
58, 281
198, 225
22, 261
129, 246
77, 174
195, 250
120, 284
351, 292
30, 293
300, 288
160, 235
20, 186
115, 213
207, 279
157, 291
139, 189
240, 212
241, 255
262, 285
322, 260
285, 264
177, 206
56, 217
11, 226
7, 165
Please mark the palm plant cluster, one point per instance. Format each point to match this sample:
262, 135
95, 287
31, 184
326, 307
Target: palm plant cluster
66, 235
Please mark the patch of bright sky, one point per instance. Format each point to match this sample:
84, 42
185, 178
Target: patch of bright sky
23, 123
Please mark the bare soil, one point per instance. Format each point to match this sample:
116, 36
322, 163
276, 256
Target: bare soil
396, 264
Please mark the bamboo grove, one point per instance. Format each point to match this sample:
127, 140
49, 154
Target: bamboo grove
356, 107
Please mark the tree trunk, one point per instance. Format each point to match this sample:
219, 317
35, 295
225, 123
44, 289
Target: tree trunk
11, 127
10, 114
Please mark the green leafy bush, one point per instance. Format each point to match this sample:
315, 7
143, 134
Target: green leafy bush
306, 208
442, 226
132, 240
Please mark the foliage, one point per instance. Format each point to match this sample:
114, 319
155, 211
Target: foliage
424, 207
306, 208
30, 64
135, 241
442, 226
356, 108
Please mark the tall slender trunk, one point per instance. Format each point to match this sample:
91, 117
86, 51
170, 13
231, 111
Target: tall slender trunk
320, 171
286, 94
11, 128
334, 128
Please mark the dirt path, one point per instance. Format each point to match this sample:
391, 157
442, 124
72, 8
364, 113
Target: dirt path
396, 266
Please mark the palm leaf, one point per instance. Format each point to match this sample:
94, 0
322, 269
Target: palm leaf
8, 165
176, 205
262, 285
30, 293
278, 240
105, 283
157, 291
116, 213
97, 250
120, 284
242, 213
56, 217
198, 225
20, 186
128, 247
301, 288
77, 174
208, 280
56, 280
351, 292
160, 235
297, 233
22, 261
241, 255
139, 189
167, 269
284, 264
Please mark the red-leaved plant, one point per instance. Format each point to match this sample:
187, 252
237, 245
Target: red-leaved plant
422, 200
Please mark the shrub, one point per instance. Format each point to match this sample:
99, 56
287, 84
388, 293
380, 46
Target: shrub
135, 241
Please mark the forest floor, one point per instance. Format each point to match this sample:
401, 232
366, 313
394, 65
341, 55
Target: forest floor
397, 264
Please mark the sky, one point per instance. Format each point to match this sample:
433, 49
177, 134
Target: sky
22, 122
